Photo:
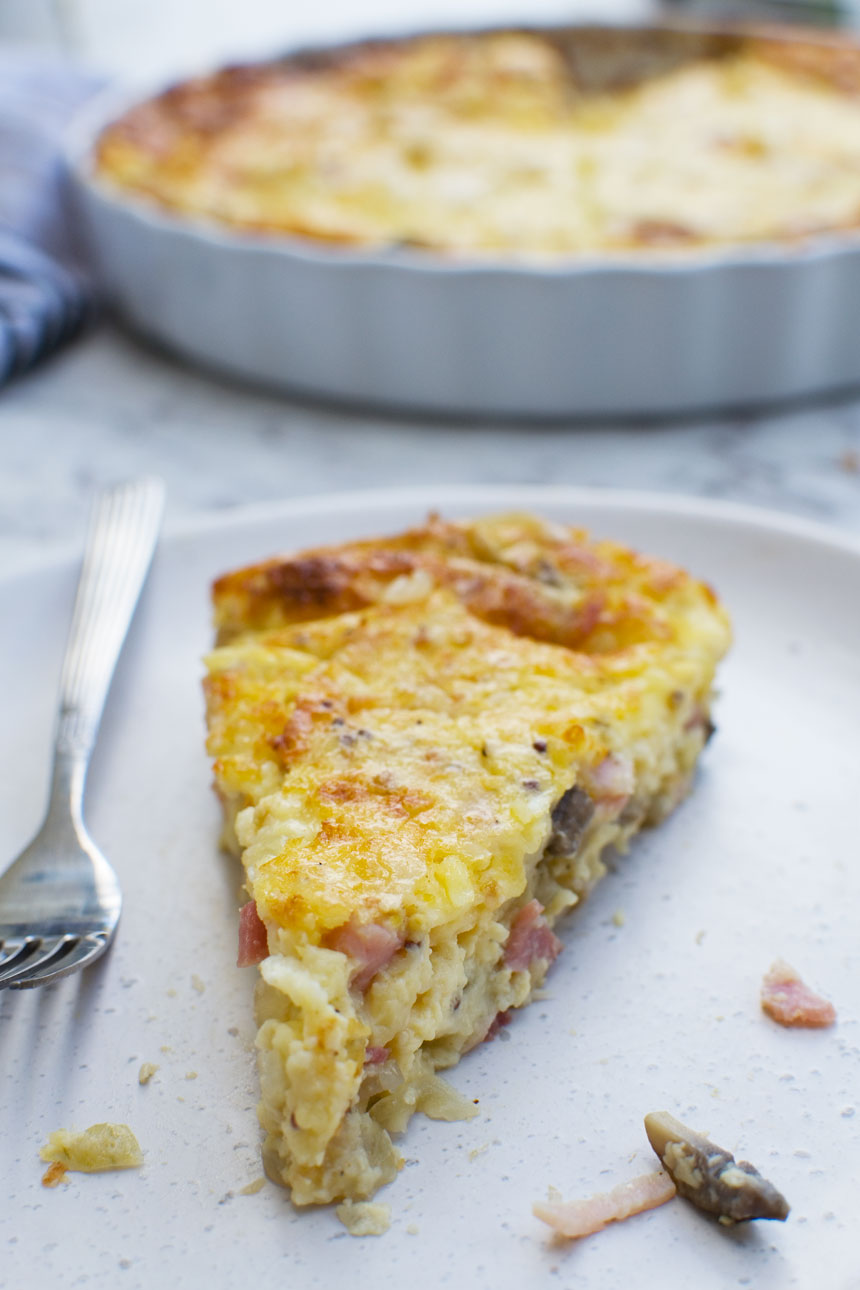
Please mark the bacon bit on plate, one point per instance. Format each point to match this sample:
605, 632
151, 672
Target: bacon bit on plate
530, 939
790, 1002
371, 946
575, 1218
253, 939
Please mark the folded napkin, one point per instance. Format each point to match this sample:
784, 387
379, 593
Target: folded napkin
44, 293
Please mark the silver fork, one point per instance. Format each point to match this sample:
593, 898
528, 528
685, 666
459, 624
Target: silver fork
60, 900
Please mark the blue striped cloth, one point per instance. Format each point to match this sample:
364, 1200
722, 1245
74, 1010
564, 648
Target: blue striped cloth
44, 293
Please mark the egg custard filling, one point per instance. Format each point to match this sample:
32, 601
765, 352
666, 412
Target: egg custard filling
544, 145
424, 746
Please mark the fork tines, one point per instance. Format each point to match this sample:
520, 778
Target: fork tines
38, 960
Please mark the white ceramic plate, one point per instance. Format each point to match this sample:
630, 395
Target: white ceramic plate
660, 1013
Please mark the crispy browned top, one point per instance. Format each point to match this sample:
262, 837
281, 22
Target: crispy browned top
394, 720
545, 581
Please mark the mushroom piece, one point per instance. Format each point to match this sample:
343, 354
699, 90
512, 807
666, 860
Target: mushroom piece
571, 816
710, 1177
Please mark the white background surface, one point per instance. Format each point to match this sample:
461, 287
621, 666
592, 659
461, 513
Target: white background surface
661, 1013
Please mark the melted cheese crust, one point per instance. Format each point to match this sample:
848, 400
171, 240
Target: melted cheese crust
508, 143
379, 707
393, 724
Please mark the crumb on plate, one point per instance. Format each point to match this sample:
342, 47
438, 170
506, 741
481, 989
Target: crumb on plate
100, 1147
364, 1217
54, 1174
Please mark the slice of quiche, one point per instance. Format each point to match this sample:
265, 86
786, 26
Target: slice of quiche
424, 745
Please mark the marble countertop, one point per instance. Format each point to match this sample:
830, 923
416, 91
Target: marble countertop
109, 407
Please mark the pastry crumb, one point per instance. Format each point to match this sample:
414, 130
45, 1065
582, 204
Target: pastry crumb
100, 1147
198, 984
412, 1229
252, 1188
54, 1174
146, 1072
191, 1075
619, 918
478, 1151
364, 1217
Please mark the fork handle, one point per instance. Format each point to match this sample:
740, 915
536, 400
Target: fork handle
121, 538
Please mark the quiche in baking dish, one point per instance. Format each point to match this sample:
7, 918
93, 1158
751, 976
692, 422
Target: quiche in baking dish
522, 143
424, 746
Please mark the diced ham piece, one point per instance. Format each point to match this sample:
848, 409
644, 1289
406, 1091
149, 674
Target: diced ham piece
501, 1019
375, 1056
575, 1218
531, 939
612, 783
790, 1002
370, 946
253, 941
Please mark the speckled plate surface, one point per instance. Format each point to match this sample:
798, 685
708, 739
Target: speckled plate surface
658, 1013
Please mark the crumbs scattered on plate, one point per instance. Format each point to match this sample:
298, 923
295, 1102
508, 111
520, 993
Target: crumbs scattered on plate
364, 1217
92, 1150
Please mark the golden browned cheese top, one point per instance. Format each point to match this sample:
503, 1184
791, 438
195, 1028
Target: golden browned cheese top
512, 144
399, 717
549, 582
